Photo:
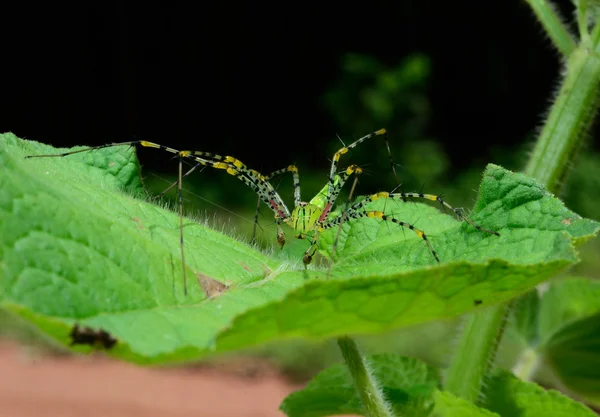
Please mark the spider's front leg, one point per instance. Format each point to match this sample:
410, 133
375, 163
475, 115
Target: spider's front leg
332, 186
312, 249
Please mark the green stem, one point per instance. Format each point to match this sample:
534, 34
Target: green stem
555, 28
570, 117
475, 352
582, 21
370, 393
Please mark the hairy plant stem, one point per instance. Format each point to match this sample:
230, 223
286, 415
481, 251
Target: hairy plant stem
562, 135
570, 117
368, 389
475, 352
553, 25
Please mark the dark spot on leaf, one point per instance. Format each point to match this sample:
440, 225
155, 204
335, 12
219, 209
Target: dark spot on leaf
88, 336
477, 302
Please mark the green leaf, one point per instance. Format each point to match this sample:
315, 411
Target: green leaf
75, 248
570, 327
448, 405
561, 329
408, 385
574, 355
509, 396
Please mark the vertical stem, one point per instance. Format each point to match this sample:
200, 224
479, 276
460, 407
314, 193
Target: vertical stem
475, 352
368, 389
582, 21
570, 117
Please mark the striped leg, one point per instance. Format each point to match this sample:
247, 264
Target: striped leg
431, 197
458, 211
254, 180
297, 198
250, 177
357, 211
231, 165
379, 215
331, 197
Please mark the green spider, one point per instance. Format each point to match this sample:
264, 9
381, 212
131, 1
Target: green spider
308, 219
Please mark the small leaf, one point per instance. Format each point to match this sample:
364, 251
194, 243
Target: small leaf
408, 385
509, 396
448, 405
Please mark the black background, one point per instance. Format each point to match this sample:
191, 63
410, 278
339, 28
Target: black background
247, 79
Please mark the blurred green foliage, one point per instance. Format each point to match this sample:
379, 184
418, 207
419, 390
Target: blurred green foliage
370, 95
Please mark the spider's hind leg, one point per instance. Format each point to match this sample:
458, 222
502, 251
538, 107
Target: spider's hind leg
355, 212
459, 212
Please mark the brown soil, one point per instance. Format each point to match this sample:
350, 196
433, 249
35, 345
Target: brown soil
95, 386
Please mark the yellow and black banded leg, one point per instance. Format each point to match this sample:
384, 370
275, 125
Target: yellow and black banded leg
338, 185
431, 197
297, 195
350, 214
296, 178
250, 177
459, 212
335, 161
